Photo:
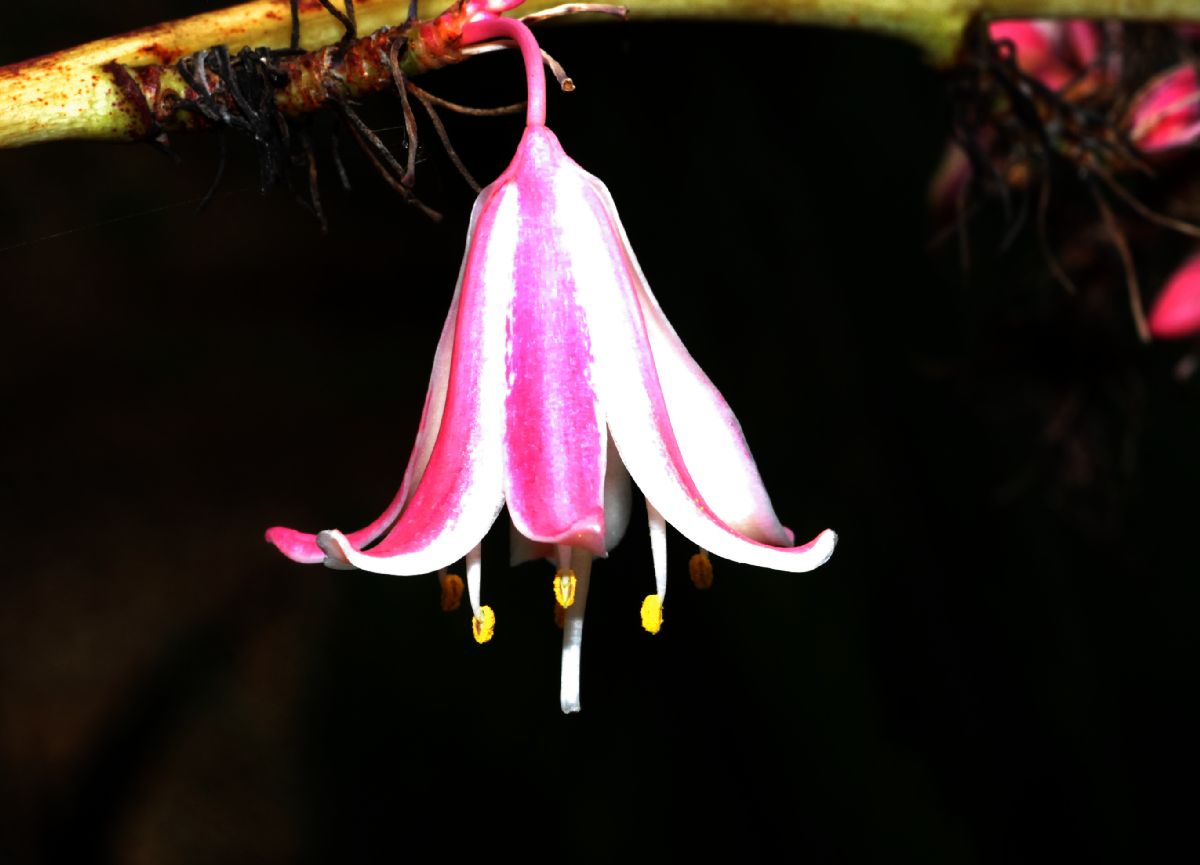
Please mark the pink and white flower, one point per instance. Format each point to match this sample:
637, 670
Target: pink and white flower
557, 377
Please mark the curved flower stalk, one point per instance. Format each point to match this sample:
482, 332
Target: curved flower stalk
557, 377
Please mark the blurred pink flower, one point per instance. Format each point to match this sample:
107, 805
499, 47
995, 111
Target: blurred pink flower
1066, 56
1055, 52
1165, 112
1176, 312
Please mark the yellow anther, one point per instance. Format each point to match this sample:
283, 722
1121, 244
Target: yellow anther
452, 592
652, 614
700, 570
564, 588
560, 616
485, 627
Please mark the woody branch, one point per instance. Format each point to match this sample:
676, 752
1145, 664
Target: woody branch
83, 92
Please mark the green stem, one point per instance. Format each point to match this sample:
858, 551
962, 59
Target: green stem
77, 93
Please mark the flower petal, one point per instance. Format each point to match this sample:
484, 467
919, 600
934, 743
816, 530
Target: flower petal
1165, 113
521, 549
618, 502
618, 498
1176, 312
302, 546
1032, 40
462, 488
627, 380
708, 434
555, 435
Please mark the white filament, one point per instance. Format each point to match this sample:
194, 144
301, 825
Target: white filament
474, 571
658, 550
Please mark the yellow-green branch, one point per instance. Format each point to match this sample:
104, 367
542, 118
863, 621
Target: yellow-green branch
69, 94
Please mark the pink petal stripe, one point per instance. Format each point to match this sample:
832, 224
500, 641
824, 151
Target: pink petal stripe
462, 489
556, 438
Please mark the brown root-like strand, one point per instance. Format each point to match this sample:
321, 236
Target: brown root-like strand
309, 82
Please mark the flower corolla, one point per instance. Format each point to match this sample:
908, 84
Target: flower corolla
556, 378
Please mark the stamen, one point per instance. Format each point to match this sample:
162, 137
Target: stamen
652, 606
483, 627
474, 569
564, 588
452, 590
564, 578
700, 569
483, 623
560, 616
652, 617
581, 561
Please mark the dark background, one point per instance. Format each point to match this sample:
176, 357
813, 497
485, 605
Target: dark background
994, 667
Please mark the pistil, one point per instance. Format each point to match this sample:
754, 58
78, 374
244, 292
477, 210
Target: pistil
581, 561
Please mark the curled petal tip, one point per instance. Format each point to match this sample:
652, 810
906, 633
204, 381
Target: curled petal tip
297, 546
821, 547
333, 543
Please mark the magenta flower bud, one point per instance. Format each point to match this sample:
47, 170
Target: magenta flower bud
1165, 113
1056, 53
1176, 312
